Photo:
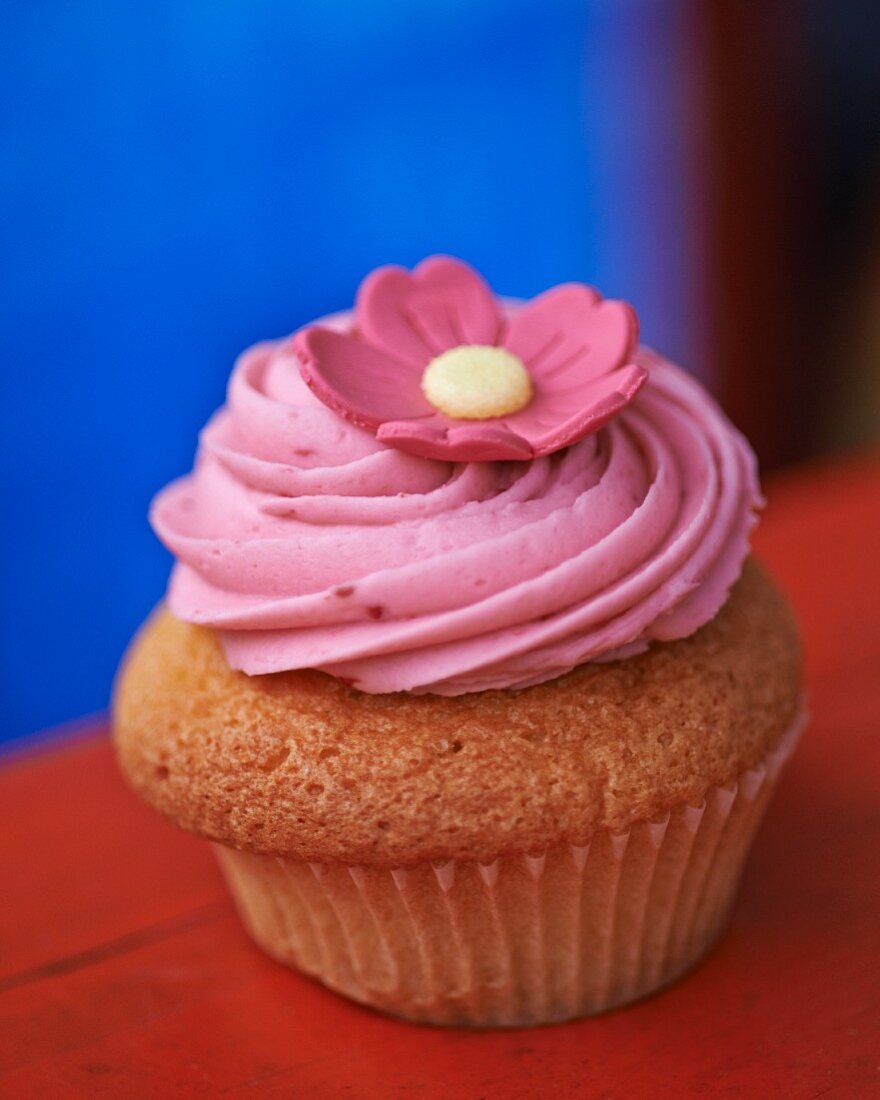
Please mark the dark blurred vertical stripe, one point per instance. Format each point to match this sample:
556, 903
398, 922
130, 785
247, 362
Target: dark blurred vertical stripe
759, 201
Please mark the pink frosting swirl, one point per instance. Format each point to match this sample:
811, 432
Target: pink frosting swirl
308, 544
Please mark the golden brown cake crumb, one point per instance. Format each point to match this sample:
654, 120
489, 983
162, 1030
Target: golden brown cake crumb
296, 763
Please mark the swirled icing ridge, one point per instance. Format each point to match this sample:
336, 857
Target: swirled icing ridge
308, 544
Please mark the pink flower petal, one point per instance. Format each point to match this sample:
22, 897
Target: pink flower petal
577, 346
414, 317
555, 419
572, 333
365, 385
456, 441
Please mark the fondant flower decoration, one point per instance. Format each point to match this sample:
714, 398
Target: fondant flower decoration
435, 365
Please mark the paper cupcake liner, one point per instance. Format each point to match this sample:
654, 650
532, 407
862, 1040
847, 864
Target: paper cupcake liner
526, 939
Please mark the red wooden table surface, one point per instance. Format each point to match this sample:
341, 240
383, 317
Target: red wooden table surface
123, 971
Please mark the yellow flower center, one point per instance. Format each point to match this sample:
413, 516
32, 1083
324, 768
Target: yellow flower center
477, 382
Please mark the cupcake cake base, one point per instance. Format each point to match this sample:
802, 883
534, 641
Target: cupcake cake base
572, 931
493, 860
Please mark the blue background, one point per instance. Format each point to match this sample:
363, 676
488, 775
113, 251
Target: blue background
182, 179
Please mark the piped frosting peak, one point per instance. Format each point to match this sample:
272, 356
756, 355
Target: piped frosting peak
309, 542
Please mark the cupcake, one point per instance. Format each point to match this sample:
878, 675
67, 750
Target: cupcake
464, 668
